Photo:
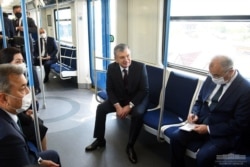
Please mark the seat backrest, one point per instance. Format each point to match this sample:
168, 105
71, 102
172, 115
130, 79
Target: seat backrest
155, 78
179, 93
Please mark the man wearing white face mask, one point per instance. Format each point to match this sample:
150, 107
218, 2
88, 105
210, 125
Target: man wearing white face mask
49, 50
14, 98
26, 102
221, 114
13, 56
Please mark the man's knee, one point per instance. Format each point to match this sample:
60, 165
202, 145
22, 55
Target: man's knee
205, 158
103, 109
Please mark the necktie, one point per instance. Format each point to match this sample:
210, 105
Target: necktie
216, 97
19, 125
43, 47
19, 23
125, 78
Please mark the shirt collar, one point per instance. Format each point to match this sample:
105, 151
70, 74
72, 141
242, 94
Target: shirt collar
233, 78
13, 116
121, 68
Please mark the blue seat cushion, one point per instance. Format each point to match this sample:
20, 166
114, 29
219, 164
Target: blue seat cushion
102, 94
56, 67
151, 118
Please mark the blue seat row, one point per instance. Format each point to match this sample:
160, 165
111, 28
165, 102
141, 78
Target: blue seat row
66, 66
177, 97
171, 97
180, 92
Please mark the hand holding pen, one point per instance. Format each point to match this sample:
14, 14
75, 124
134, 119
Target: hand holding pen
192, 118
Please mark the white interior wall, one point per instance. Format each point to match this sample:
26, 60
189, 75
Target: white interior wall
145, 30
118, 22
81, 37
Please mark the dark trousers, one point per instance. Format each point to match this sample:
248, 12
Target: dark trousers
137, 114
206, 155
46, 64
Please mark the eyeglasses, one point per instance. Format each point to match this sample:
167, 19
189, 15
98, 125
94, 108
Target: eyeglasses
218, 76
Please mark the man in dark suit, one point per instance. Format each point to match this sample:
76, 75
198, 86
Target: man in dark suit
127, 94
221, 114
9, 30
8, 26
15, 97
18, 22
49, 50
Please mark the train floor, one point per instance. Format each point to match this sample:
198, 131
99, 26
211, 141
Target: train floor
69, 114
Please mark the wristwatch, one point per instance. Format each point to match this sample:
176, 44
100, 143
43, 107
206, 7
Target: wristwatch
131, 105
39, 161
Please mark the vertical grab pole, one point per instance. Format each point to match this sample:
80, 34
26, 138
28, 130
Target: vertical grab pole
3, 29
30, 72
167, 5
58, 34
39, 51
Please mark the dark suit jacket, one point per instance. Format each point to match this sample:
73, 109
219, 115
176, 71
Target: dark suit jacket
32, 28
14, 151
51, 47
231, 117
9, 28
137, 84
31, 24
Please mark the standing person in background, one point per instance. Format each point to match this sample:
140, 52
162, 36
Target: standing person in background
127, 88
9, 30
49, 50
19, 32
8, 26
18, 26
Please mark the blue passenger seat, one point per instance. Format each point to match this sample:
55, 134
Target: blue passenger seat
179, 95
66, 66
155, 79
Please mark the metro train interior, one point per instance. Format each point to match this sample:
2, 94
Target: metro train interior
170, 37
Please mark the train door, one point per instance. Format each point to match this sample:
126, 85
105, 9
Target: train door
99, 41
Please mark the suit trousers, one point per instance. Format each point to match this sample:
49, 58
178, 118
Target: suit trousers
47, 64
136, 113
206, 155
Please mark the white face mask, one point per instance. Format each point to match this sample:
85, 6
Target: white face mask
43, 35
23, 65
26, 102
219, 81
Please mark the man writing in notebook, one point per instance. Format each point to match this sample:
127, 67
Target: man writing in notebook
221, 114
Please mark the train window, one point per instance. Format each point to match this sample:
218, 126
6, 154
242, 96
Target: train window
194, 39
209, 7
63, 20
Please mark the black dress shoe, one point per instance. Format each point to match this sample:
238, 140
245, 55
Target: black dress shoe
46, 79
131, 155
96, 144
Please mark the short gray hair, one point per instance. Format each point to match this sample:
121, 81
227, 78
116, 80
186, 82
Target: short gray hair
5, 71
225, 61
120, 47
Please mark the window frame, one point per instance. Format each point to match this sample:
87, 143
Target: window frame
56, 21
204, 18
